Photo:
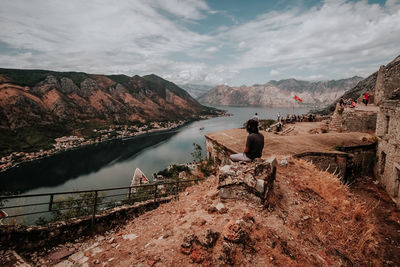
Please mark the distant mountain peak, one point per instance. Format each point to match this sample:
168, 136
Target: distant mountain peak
278, 93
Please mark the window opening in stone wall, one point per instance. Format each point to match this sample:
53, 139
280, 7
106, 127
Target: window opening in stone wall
397, 183
383, 162
387, 125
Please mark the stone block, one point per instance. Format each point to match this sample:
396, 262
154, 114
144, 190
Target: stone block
249, 181
260, 186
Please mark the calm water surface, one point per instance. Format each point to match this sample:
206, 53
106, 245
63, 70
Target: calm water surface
112, 164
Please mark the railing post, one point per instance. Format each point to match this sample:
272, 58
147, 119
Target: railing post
177, 190
94, 207
129, 193
155, 192
51, 202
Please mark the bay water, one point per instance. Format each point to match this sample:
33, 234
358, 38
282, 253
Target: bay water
112, 164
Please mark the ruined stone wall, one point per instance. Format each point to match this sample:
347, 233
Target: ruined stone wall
335, 162
348, 163
388, 81
28, 238
217, 152
361, 161
388, 152
352, 120
358, 120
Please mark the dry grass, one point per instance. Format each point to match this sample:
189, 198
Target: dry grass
312, 220
338, 221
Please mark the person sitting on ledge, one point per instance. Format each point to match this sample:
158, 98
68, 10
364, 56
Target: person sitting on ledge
254, 143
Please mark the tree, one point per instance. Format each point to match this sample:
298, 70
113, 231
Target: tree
196, 154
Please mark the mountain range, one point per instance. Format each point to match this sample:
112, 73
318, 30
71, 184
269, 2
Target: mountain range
367, 84
41, 104
279, 93
31, 97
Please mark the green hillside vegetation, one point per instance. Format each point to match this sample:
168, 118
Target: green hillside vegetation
156, 82
30, 139
119, 78
32, 77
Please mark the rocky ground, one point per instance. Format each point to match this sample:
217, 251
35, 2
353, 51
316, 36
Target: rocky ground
310, 219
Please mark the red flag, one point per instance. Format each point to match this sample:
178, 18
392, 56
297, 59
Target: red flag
298, 98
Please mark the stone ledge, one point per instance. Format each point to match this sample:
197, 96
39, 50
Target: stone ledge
28, 238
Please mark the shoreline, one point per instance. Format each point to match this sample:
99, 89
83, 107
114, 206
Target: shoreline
122, 138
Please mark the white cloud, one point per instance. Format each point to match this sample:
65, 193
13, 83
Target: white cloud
336, 34
189, 9
334, 39
274, 73
212, 49
93, 35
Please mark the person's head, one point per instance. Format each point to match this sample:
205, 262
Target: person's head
252, 126
256, 114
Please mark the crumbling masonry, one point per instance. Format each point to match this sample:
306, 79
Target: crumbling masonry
387, 97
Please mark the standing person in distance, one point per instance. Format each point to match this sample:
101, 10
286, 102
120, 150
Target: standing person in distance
366, 98
254, 143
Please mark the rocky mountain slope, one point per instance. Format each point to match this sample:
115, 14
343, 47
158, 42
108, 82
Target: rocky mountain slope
31, 97
37, 106
196, 90
368, 84
279, 93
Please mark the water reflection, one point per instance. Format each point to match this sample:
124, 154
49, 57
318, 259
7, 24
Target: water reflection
58, 169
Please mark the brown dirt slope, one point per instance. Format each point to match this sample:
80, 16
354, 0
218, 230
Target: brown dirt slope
312, 220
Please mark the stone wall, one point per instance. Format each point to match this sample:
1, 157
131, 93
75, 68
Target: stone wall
388, 151
388, 81
334, 162
361, 161
217, 152
358, 120
353, 120
28, 238
387, 92
348, 162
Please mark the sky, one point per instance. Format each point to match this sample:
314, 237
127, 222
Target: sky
209, 42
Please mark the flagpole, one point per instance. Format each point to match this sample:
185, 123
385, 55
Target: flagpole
293, 104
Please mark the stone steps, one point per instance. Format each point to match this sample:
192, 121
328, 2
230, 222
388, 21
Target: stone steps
336, 123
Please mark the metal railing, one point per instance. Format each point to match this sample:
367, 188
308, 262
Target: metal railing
90, 202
